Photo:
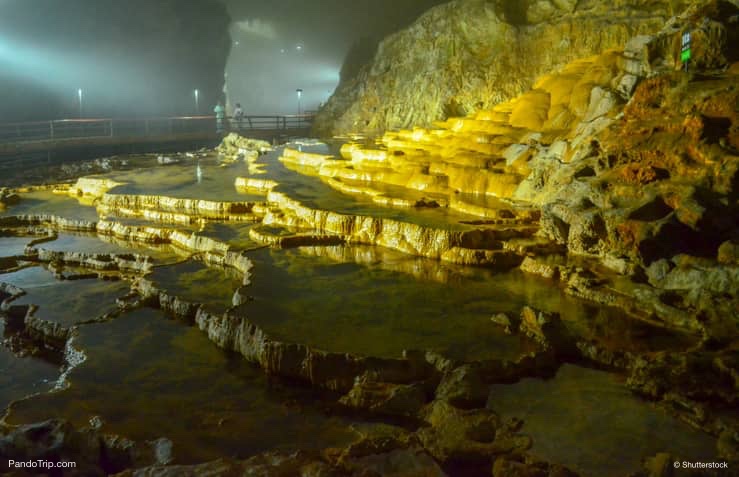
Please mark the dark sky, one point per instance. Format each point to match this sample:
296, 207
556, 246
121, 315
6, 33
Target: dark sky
282, 45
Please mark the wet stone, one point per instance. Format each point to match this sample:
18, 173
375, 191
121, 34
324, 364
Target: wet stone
464, 388
132, 383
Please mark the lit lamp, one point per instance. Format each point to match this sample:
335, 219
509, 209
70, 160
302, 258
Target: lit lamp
197, 101
300, 95
79, 99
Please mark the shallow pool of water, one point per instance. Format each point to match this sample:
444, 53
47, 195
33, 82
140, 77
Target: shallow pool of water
93, 243
192, 179
235, 234
314, 193
198, 283
30, 277
482, 200
588, 421
20, 377
46, 202
207, 179
67, 301
149, 377
12, 246
374, 301
377, 309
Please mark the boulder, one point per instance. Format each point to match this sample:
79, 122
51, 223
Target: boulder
728, 253
545, 328
385, 398
464, 388
471, 437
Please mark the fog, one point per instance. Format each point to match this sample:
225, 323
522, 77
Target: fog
111, 58
285, 45
128, 58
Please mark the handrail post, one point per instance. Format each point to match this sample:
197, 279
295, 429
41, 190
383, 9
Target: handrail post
111, 128
51, 129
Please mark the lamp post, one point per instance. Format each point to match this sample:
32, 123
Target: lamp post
300, 94
79, 99
197, 101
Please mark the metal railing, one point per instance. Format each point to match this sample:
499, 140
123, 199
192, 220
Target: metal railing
99, 128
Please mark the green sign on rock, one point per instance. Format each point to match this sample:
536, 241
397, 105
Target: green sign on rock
685, 55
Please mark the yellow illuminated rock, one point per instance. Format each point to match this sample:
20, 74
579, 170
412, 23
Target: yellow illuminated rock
91, 188
249, 184
469, 55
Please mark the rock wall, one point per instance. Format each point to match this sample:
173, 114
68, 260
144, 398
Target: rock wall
469, 55
631, 161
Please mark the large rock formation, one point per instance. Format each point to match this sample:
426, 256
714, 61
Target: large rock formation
635, 185
469, 55
633, 162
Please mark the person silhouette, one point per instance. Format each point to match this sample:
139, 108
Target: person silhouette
238, 116
220, 116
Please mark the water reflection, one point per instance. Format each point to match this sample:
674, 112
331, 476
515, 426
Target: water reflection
148, 377
375, 301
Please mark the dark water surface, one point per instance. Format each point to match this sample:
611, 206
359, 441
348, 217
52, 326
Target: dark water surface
67, 301
588, 420
20, 377
374, 301
147, 377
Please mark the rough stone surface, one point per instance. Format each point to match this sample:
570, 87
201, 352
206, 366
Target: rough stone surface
385, 398
469, 55
57, 440
464, 388
467, 436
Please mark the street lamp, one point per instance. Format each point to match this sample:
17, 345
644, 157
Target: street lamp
79, 98
197, 101
300, 94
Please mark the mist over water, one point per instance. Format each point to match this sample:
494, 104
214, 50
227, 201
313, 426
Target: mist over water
279, 47
108, 58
